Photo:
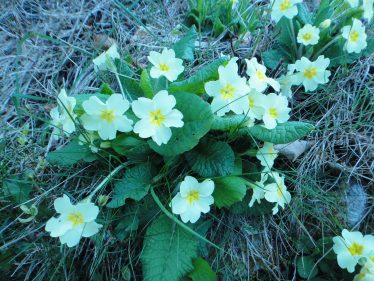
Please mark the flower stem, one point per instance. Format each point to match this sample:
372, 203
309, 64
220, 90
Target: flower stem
336, 38
293, 36
120, 86
107, 179
185, 227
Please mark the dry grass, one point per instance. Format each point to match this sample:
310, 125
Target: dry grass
63, 38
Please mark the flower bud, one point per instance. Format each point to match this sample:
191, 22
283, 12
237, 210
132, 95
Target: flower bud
325, 23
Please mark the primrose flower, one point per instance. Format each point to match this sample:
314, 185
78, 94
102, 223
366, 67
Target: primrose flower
276, 110
257, 77
351, 247
355, 36
156, 117
325, 23
256, 101
367, 6
286, 82
366, 272
267, 154
228, 92
105, 61
277, 192
63, 115
106, 118
313, 73
74, 222
284, 8
258, 189
165, 64
308, 35
193, 199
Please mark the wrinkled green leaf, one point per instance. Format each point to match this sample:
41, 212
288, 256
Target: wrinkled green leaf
185, 46
70, 154
228, 190
123, 144
168, 251
135, 185
197, 118
195, 84
229, 122
211, 159
304, 15
19, 190
126, 226
304, 267
283, 133
202, 271
272, 58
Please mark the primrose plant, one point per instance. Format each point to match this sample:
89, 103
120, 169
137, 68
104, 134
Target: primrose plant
192, 145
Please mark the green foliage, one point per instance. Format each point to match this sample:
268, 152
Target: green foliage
185, 46
228, 190
70, 154
124, 144
197, 118
305, 266
272, 58
168, 251
126, 226
227, 123
282, 133
242, 208
146, 85
195, 83
304, 15
18, 190
202, 271
211, 158
135, 184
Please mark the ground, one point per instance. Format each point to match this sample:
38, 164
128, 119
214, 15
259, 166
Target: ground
48, 45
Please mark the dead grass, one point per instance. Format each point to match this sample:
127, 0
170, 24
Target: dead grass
62, 37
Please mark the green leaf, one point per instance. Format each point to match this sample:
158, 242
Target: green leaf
145, 84
19, 190
106, 90
304, 15
197, 118
282, 133
202, 271
135, 184
124, 144
324, 12
272, 58
228, 190
185, 46
126, 226
304, 267
195, 84
70, 154
211, 159
229, 122
168, 251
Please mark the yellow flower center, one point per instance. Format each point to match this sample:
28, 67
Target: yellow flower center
273, 112
164, 67
361, 275
251, 102
285, 5
279, 191
227, 92
310, 72
372, 259
353, 36
192, 196
307, 36
107, 115
356, 249
76, 218
260, 75
157, 117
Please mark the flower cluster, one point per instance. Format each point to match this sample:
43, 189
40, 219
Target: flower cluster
231, 92
353, 248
